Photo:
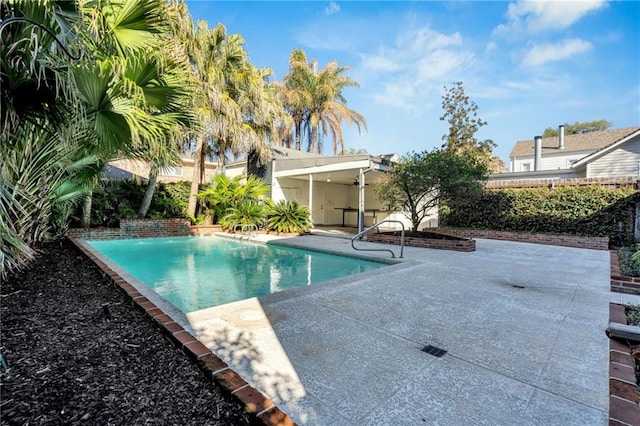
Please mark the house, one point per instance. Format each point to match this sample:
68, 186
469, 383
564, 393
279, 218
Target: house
602, 154
337, 189
139, 170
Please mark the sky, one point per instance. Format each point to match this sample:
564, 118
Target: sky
528, 65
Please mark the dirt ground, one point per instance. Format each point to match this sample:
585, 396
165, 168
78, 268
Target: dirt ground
70, 363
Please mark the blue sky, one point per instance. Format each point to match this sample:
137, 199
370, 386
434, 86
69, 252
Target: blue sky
528, 65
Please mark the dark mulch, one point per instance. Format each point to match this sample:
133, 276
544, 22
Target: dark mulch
69, 364
425, 234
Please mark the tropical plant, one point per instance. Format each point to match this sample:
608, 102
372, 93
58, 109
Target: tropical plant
287, 216
74, 110
237, 108
247, 215
227, 192
315, 101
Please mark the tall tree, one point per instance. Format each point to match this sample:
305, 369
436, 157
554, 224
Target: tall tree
82, 110
420, 181
236, 107
578, 127
314, 98
462, 115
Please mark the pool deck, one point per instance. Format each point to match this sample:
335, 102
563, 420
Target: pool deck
522, 326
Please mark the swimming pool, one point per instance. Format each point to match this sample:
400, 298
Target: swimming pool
194, 273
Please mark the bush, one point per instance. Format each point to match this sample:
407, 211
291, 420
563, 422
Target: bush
287, 217
246, 214
121, 199
633, 315
629, 260
590, 211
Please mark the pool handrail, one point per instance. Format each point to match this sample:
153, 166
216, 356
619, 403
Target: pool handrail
359, 235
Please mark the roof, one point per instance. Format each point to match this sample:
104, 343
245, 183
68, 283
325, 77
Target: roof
590, 141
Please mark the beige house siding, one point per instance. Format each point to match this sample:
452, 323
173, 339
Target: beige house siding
169, 174
623, 161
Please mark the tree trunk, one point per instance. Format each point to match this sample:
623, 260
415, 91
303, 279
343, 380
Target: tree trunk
195, 182
298, 135
148, 193
85, 222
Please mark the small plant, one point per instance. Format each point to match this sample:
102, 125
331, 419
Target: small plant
288, 217
629, 259
245, 214
633, 315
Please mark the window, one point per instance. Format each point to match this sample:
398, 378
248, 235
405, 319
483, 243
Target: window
171, 171
525, 167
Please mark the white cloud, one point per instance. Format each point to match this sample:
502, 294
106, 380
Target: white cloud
417, 64
541, 54
490, 47
535, 16
332, 8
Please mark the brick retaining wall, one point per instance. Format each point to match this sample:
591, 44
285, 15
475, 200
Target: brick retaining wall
463, 244
619, 282
623, 389
144, 228
596, 243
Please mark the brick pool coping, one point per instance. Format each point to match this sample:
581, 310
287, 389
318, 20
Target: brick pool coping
215, 368
624, 398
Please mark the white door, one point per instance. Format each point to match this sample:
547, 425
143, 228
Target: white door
318, 205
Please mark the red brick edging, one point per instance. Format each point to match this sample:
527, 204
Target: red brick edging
624, 399
253, 400
595, 243
460, 244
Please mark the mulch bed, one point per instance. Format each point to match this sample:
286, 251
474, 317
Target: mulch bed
424, 234
71, 364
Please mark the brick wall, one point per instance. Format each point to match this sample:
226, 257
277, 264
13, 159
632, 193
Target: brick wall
136, 228
596, 243
623, 389
619, 282
611, 183
465, 245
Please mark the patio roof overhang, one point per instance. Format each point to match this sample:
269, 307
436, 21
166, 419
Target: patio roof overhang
339, 170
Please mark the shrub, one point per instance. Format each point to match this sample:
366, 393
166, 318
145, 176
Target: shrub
225, 193
629, 260
589, 210
248, 213
633, 315
287, 217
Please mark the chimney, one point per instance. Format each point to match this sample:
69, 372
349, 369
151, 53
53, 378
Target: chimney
537, 158
561, 136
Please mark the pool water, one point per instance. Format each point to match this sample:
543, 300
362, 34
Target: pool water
194, 273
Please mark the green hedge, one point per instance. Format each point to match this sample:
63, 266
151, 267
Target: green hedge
589, 211
117, 199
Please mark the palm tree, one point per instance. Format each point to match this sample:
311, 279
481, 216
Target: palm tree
85, 112
316, 103
236, 107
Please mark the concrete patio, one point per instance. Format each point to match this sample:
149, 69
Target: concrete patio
523, 326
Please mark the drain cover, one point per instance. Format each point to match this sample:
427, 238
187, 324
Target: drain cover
432, 350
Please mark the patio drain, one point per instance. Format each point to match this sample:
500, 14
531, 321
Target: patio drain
435, 351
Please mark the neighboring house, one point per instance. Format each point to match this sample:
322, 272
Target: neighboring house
602, 154
137, 169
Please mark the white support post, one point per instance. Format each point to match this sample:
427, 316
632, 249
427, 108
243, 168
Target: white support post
311, 197
361, 201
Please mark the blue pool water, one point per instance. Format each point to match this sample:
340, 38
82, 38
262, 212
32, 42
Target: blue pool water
195, 273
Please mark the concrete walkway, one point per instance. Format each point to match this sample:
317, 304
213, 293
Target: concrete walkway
523, 326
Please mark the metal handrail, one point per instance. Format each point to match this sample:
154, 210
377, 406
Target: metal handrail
377, 225
246, 228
